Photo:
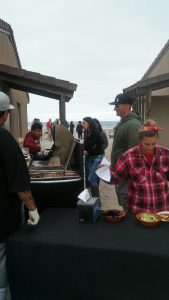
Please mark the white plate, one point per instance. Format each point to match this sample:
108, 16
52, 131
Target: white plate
164, 213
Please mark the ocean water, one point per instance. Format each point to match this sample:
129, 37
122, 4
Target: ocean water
105, 124
108, 124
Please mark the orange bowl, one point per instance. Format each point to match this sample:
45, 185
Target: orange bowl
114, 219
148, 219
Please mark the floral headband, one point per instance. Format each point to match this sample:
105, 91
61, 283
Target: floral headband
151, 128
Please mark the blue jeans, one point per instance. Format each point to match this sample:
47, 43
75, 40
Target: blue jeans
92, 163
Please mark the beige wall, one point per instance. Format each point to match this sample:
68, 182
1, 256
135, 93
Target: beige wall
160, 99
160, 113
8, 57
161, 92
162, 67
7, 54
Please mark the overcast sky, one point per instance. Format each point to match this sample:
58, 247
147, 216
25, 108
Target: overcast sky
101, 45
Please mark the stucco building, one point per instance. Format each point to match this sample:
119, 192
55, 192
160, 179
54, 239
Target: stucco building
152, 93
9, 56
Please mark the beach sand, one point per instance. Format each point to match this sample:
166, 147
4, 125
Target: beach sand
108, 197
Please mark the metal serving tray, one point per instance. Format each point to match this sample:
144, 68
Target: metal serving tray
48, 175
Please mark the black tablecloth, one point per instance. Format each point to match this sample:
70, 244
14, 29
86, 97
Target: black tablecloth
61, 259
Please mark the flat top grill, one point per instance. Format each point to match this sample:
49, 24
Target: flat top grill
57, 166
60, 174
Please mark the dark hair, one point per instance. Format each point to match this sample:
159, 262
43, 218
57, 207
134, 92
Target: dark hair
97, 123
1, 113
91, 123
152, 133
36, 126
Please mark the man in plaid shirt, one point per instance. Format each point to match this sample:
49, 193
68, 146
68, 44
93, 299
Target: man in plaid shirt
146, 167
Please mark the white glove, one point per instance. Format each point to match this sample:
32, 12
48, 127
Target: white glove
33, 217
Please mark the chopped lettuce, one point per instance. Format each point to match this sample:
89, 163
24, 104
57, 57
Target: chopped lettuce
148, 218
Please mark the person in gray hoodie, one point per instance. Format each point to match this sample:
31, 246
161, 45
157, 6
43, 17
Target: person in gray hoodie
125, 137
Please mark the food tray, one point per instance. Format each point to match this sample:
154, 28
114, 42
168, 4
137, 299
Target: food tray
53, 175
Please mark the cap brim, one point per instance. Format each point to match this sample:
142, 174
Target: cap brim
11, 106
112, 103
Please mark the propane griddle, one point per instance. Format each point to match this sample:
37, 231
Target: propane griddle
59, 165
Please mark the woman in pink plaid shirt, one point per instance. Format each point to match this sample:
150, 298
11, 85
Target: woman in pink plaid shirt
146, 167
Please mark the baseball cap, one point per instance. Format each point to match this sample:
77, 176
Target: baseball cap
122, 99
5, 102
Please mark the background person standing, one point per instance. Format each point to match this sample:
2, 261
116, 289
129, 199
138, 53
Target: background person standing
125, 137
79, 129
71, 126
14, 187
94, 152
49, 129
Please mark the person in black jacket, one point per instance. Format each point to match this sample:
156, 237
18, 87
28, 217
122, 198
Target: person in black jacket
93, 151
71, 126
103, 134
79, 129
14, 187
